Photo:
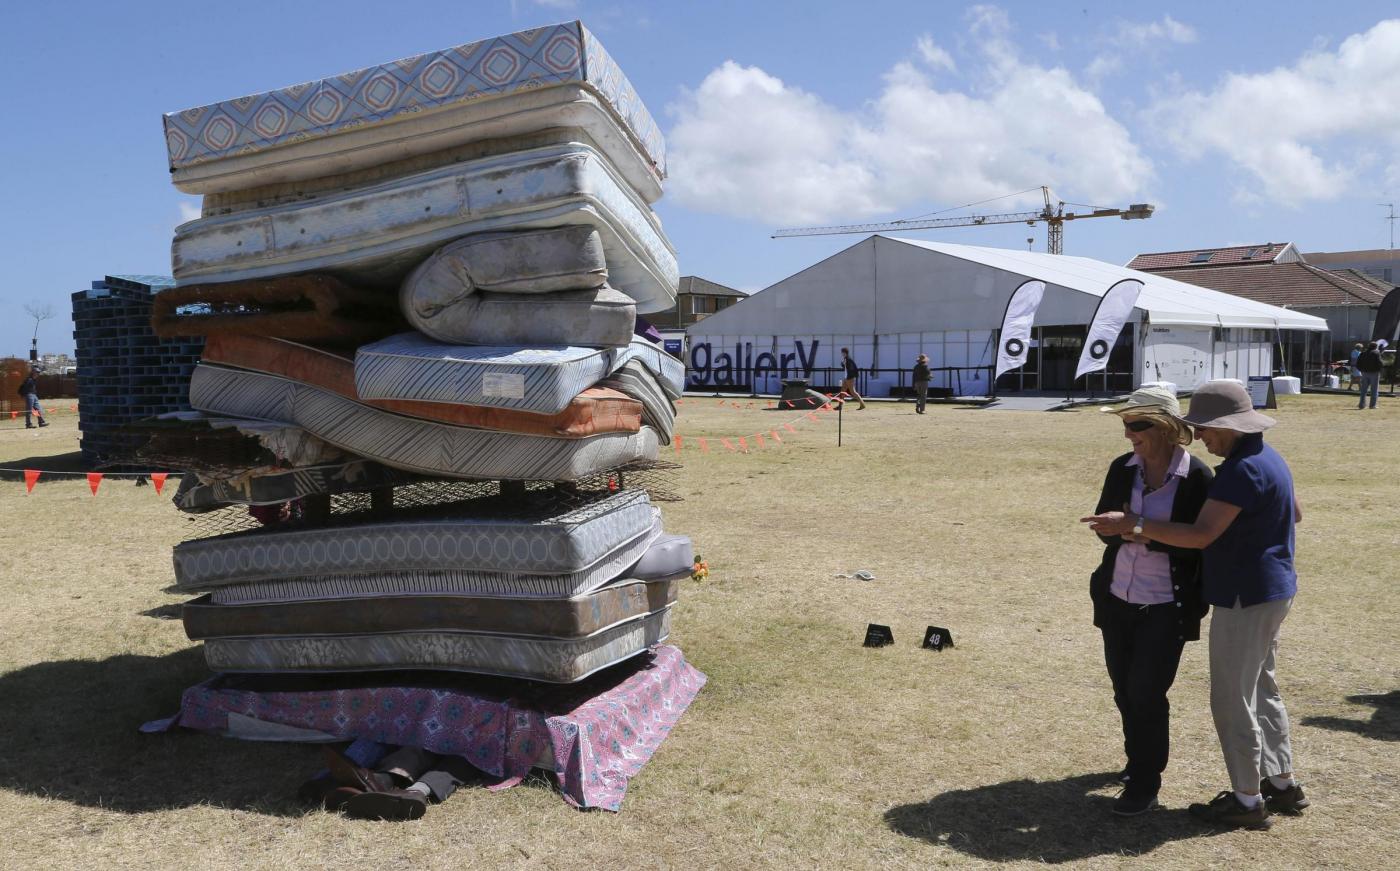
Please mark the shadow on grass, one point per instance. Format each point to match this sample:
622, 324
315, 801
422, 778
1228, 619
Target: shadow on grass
1055, 821
68, 731
1384, 724
69, 462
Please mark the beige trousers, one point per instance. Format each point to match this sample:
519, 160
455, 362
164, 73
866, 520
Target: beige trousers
1244, 700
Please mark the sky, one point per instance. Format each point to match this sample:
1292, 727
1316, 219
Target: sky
1241, 122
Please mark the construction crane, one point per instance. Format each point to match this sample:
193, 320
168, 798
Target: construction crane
1054, 216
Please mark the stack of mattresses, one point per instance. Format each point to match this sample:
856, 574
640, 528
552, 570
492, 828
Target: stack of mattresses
432, 269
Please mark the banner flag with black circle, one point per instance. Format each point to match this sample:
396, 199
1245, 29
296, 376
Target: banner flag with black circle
1108, 322
1016, 325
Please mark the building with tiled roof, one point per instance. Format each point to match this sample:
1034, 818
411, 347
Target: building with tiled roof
696, 299
1205, 258
1382, 263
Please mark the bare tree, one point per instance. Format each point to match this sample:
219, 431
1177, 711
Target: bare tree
40, 312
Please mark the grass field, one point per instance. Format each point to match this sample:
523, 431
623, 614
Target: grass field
805, 749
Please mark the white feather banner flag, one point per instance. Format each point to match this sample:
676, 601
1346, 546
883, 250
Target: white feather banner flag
1016, 325
1109, 317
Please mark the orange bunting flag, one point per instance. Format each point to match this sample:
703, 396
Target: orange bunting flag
758, 440
31, 477
774, 434
94, 481
743, 443
677, 442
72, 408
158, 478
727, 443
812, 417
789, 427
770, 403
704, 446
14, 414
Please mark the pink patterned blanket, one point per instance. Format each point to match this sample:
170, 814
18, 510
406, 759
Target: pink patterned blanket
598, 733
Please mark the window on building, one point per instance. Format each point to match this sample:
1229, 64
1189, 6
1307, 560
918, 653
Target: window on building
1249, 255
1202, 257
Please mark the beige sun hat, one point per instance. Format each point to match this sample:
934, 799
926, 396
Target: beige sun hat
1225, 404
1155, 402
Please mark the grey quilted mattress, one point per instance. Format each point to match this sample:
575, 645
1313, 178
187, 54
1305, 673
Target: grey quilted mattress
409, 443
556, 76
374, 235
537, 543
550, 660
444, 581
543, 380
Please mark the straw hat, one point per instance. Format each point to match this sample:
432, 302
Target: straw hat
1158, 403
1225, 404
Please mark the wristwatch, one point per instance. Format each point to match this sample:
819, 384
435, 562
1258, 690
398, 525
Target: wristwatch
1137, 525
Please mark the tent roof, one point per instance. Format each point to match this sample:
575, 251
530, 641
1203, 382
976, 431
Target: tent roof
1167, 302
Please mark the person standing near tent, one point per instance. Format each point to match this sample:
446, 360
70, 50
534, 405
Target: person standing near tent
1355, 372
1245, 533
1146, 595
921, 373
852, 371
29, 389
1369, 365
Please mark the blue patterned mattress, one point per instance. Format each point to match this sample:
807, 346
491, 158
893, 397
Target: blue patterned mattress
409, 443
556, 76
552, 660
376, 234
539, 542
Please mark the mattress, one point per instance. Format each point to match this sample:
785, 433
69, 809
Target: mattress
544, 541
669, 371
554, 76
274, 488
637, 381
444, 582
375, 235
551, 660
413, 444
666, 556
577, 617
594, 410
304, 307
590, 318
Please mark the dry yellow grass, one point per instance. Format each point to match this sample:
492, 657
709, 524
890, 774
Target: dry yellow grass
804, 750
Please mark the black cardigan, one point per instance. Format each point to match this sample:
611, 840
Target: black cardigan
1185, 562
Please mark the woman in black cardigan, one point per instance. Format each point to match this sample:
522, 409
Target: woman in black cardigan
1146, 595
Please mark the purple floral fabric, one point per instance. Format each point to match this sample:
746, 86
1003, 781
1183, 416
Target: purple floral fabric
599, 732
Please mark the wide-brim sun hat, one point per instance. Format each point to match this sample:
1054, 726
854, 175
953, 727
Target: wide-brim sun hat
1225, 404
1158, 403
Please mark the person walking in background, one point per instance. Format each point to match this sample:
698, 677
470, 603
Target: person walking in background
1245, 533
1368, 364
921, 374
848, 384
1355, 373
1147, 596
29, 389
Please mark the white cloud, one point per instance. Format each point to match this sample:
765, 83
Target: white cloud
190, 210
1319, 129
748, 144
1050, 39
557, 4
934, 55
1144, 33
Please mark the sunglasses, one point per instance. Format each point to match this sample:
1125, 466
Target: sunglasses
1138, 425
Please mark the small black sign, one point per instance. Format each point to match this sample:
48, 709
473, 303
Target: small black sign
1015, 347
1099, 349
878, 636
937, 638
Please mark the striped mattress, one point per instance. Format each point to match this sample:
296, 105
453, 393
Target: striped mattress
413, 444
594, 410
658, 410
541, 542
375, 235
555, 76
552, 660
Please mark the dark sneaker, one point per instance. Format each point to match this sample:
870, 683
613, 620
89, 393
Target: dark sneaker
395, 804
1131, 804
1283, 801
43, 422
1226, 810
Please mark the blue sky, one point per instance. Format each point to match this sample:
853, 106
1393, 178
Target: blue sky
1242, 122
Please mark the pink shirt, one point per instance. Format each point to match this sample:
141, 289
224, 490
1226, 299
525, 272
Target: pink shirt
1142, 576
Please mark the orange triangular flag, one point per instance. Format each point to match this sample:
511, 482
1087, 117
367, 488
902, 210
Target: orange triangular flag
743, 443
94, 481
14, 414
728, 444
677, 443
72, 408
31, 477
774, 434
758, 440
158, 478
704, 446
789, 427
812, 417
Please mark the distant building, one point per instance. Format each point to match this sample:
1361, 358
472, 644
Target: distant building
1379, 263
1278, 274
696, 299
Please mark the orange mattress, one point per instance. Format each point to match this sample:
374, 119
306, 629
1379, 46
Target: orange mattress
594, 411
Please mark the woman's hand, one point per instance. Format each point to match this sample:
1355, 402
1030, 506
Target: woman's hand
1110, 523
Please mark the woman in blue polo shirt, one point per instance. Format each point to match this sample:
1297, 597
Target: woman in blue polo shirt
1245, 533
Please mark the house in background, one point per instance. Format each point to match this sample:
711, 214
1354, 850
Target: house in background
1278, 274
1382, 263
696, 299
